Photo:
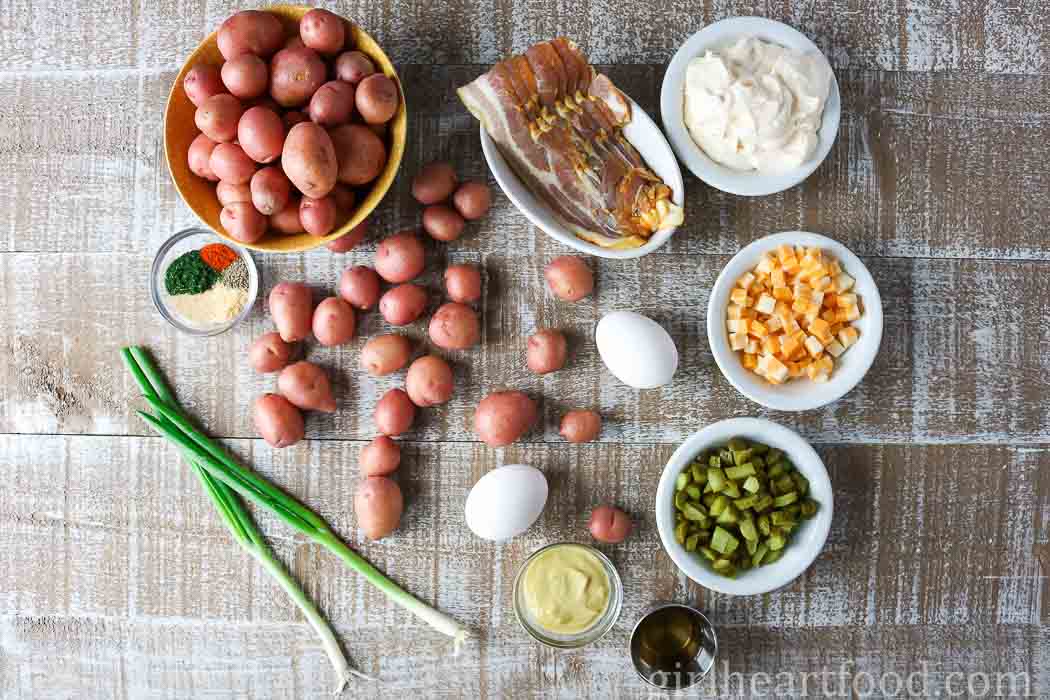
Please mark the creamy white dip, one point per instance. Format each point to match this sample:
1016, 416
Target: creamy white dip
755, 105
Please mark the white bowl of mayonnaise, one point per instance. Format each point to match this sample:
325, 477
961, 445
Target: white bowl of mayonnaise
750, 106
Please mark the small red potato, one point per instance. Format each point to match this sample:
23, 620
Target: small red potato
610, 525
243, 222
201, 82
463, 283
380, 457
332, 104
442, 222
230, 163
292, 308
377, 99
455, 326
250, 31
269, 353
218, 115
400, 258
569, 278
394, 413
228, 193
294, 117
378, 505
385, 354
271, 190
349, 241
546, 351
317, 215
503, 417
199, 157
434, 183
307, 386
308, 159
260, 132
277, 421
472, 200
353, 67
580, 426
323, 31
295, 75
429, 381
359, 285
360, 153
287, 220
334, 322
403, 304
245, 76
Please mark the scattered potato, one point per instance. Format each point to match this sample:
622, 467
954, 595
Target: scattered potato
442, 222
403, 304
580, 426
334, 322
610, 525
292, 306
384, 354
318, 216
463, 283
380, 457
429, 381
400, 258
546, 351
394, 413
434, 183
503, 417
378, 505
569, 278
359, 285
455, 326
269, 353
307, 386
277, 421
472, 200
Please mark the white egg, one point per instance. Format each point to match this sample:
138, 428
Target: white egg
636, 349
506, 502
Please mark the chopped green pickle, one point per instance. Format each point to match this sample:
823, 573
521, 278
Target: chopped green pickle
809, 508
729, 516
747, 529
722, 541
716, 478
692, 512
710, 498
740, 472
691, 542
785, 499
775, 542
772, 557
714, 461
682, 482
752, 485
680, 532
752, 547
680, 499
760, 553
708, 553
718, 505
746, 502
694, 492
737, 444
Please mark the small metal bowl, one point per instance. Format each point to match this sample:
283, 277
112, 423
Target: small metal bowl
180, 243
680, 677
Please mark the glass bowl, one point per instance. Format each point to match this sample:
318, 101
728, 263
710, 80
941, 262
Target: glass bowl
183, 242
569, 641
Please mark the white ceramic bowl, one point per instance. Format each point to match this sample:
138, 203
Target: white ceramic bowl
806, 542
799, 394
716, 36
644, 135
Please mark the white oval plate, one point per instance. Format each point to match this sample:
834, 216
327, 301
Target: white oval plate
644, 135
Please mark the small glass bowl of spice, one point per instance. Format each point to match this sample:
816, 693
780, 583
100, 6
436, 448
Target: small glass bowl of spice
201, 284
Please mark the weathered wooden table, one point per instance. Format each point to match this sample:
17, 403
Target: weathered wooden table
117, 580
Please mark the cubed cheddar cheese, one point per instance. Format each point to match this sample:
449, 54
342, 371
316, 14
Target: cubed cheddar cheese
746, 280
765, 304
734, 311
749, 360
770, 345
843, 282
813, 346
782, 293
752, 346
848, 336
738, 341
736, 325
767, 265
835, 348
821, 329
778, 278
758, 329
739, 296
774, 324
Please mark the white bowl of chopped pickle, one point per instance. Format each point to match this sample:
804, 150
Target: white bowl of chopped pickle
767, 521
826, 346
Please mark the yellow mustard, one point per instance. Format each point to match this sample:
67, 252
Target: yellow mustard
566, 589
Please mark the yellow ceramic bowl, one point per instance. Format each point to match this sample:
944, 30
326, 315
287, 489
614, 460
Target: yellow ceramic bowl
199, 194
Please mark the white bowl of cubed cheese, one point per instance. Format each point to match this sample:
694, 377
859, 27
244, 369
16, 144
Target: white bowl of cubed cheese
794, 321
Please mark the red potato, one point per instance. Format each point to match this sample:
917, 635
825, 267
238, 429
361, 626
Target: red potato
287, 220
323, 31
201, 82
503, 417
545, 351
610, 525
309, 160
349, 241
269, 353
377, 99
307, 386
294, 117
334, 322
394, 413
378, 505
245, 76
442, 222
250, 31
277, 421
230, 163
380, 457
569, 278
295, 75
472, 200
463, 283
218, 115
228, 193
243, 222
260, 132
318, 216
332, 104
199, 157
434, 183
400, 258
271, 190
294, 42
455, 326
353, 67
385, 354
292, 308
429, 381
359, 285
344, 199
361, 154
580, 426
403, 304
